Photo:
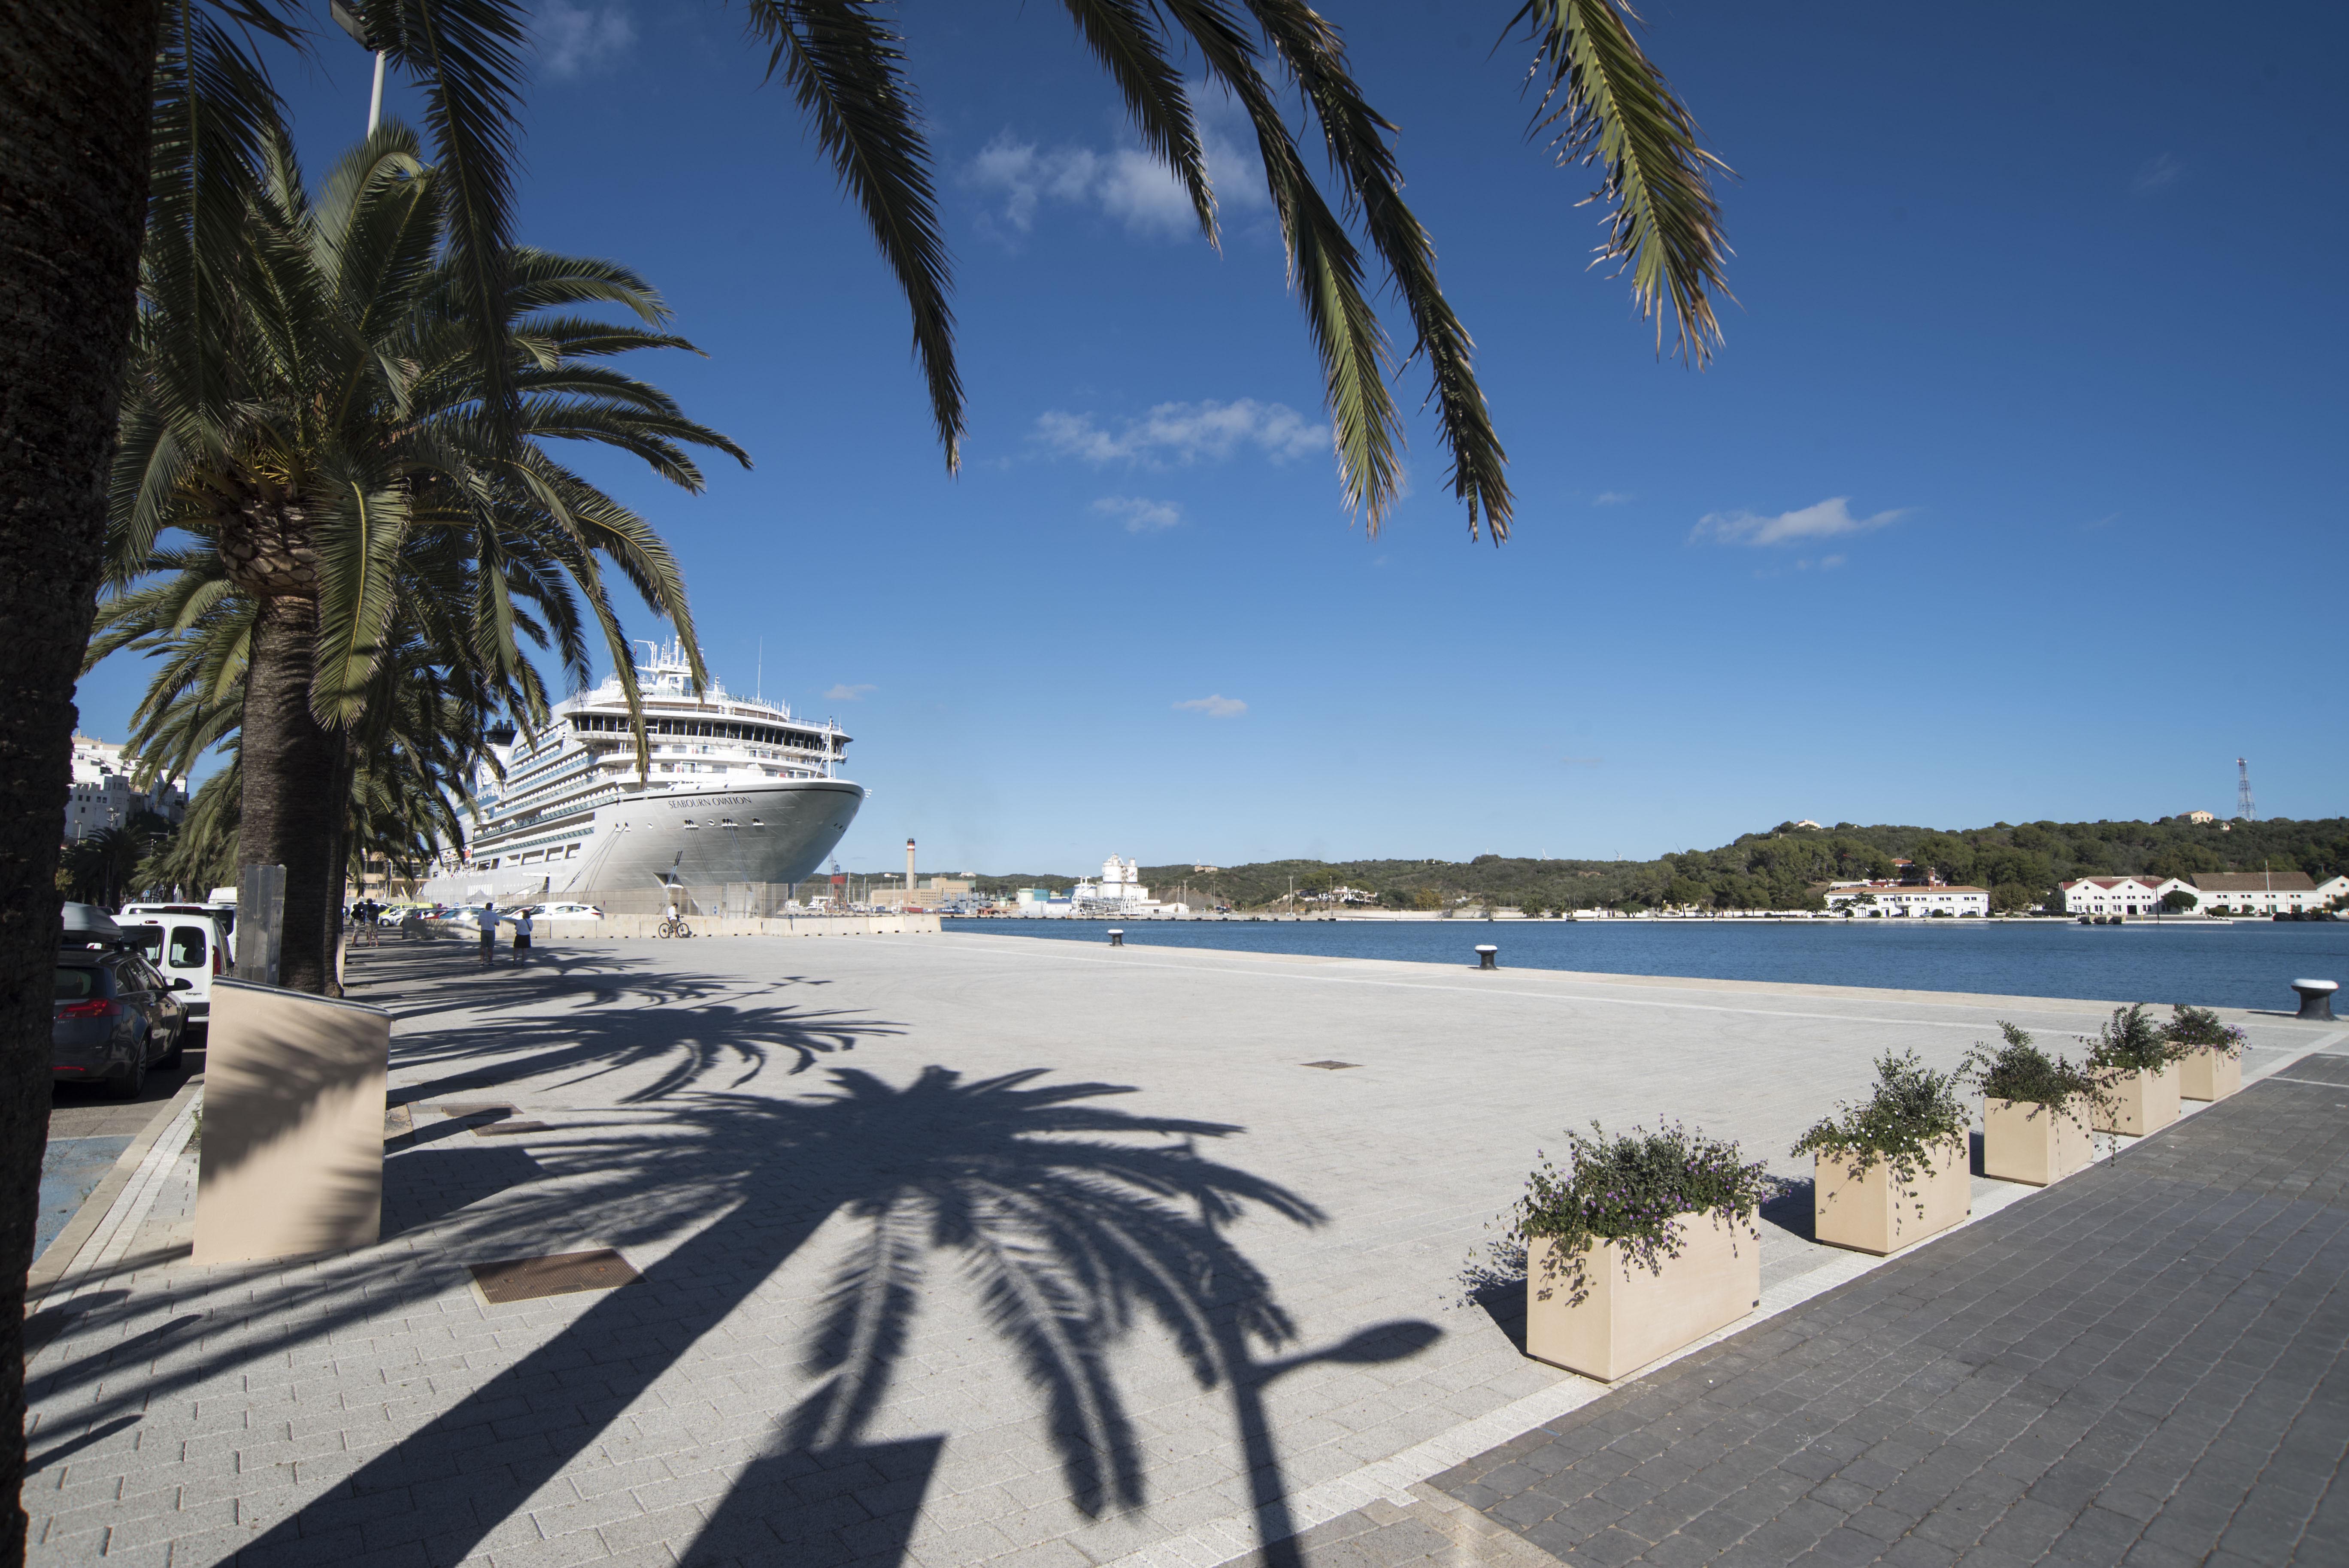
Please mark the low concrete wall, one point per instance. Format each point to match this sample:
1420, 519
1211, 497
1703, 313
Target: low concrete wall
619, 926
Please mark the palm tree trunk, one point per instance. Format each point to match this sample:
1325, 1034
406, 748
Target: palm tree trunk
339, 857
73, 205
289, 768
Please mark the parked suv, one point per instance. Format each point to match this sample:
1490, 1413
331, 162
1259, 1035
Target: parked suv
114, 1015
186, 942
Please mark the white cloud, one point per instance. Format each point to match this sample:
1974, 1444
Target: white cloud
1583, 761
576, 38
1612, 498
2156, 173
845, 693
1828, 520
1141, 516
1215, 706
1184, 432
1125, 182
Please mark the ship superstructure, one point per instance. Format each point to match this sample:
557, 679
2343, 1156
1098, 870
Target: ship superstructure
739, 792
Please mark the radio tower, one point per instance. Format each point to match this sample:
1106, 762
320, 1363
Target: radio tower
2243, 807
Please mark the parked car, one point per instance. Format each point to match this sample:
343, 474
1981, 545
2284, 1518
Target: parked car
114, 1013
185, 942
566, 911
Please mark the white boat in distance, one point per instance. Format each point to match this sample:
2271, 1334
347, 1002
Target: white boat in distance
739, 792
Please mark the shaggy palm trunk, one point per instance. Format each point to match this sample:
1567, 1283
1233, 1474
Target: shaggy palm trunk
73, 205
339, 857
289, 766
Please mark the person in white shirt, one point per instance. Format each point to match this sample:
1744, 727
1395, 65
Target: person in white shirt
488, 921
521, 936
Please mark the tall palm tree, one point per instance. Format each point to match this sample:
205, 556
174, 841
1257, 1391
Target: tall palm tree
318, 410
99, 86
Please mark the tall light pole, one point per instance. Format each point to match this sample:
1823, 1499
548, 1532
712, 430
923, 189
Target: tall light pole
347, 18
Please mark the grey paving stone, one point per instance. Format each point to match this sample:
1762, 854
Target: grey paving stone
2125, 1366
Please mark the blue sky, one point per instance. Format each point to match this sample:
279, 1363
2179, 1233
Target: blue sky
2014, 492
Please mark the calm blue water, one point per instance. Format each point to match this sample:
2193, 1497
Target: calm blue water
2249, 965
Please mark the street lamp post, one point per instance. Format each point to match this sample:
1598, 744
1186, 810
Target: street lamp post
347, 18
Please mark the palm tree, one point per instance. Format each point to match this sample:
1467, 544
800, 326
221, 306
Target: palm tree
100, 88
315, 415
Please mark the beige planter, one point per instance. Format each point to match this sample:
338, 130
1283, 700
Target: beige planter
2209, 1075
1629, 1316
2140, 1102
1869, 1212
2023, 1140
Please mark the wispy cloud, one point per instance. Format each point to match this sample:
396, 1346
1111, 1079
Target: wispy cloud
849, 692
1125, 182
1583, 761
578, 37
1828, 520
2156, 173
1140, 515
1184, 433
1612, 498
1215, 706
2106, 520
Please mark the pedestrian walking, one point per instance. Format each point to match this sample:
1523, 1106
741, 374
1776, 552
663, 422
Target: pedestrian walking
489, 924
522, 937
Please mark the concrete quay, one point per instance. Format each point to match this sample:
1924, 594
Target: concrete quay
954, 1250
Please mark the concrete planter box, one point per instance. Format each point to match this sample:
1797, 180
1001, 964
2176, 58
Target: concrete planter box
1629, 1316
1869, 1212
2023, 1140
2209, 1075
2142, 1102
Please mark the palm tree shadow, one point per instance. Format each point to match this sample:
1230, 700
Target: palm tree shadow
1075, 1222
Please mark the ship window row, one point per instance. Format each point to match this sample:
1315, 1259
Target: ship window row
606, 724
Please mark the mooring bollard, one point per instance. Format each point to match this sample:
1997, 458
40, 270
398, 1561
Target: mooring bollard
1117, 936
2316, 998
1488, 955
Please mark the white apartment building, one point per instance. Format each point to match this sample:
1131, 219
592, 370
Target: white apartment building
1906, 899
103, 797
2119, 895
2263, 892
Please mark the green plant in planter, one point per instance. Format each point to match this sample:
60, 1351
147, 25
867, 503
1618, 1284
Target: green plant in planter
2198, 1029
1913, 1111
2020, 1070
2131, 1042
1629, 1190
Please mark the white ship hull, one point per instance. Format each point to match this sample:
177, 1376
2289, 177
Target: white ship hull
775, 832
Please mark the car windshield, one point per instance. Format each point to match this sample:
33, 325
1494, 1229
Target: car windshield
76, 984
147, 939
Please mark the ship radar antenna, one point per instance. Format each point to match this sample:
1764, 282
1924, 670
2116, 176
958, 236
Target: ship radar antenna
2243, 807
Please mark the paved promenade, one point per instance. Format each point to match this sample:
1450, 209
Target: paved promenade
953, 1250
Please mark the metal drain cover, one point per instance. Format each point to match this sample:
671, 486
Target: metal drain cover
527, 1279
1333, 1066
476, 1108
505, 1129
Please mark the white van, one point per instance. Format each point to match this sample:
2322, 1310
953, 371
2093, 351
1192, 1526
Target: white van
186, 942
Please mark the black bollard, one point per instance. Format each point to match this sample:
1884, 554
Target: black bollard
2316, 999
1488, 955
1116, 936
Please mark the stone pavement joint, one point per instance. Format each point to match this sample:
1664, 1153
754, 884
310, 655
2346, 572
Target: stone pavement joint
2144, 1363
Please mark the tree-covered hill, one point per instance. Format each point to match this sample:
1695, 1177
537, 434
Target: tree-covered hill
1785, 868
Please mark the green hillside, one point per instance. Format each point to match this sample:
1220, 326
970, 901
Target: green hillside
2021, 863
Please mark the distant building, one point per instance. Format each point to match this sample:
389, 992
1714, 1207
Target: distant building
927, 893
1908, 898
1807, 822
2200, 818
103, 796
2119, 895
2263, 893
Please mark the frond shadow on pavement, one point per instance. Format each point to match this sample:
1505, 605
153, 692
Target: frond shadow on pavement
1077, 1221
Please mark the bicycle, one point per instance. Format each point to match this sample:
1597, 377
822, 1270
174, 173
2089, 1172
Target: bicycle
674, 927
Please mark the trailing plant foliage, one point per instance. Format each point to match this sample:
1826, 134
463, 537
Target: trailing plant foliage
1632, 1189
1912, 1112
2020, 1070
2198, 1029
2131, 1042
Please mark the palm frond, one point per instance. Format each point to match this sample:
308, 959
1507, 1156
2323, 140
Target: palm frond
1606, 103
845, 68
1125, 35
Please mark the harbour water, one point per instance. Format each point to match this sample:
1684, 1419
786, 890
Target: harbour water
2248, 963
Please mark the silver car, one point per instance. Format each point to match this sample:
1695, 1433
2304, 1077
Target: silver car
114, 1017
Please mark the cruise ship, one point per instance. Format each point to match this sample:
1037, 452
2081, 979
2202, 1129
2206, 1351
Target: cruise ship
740, 792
